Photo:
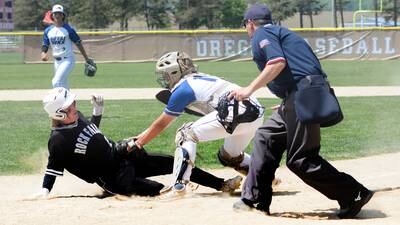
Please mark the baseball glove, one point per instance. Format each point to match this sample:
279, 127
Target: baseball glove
121, 147
90, 68
47, 20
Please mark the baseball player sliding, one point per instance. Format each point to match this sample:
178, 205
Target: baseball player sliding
78, 146
59, 36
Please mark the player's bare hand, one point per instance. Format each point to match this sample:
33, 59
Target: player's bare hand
240, 94
44, 56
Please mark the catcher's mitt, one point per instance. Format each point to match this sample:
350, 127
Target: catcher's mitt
121, 147
90, 68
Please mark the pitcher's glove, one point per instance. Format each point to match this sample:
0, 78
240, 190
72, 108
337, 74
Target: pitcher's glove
90, 68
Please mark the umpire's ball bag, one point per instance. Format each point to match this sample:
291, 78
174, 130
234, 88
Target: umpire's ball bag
315, 102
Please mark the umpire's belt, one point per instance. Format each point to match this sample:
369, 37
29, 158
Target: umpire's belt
298, 83
59, 58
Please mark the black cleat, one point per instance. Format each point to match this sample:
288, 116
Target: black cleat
263, 208
353, 208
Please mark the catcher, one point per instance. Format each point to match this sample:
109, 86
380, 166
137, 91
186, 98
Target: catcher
59, 36
77, 145
205, 95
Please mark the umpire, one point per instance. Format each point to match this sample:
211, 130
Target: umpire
77, 145
284, 60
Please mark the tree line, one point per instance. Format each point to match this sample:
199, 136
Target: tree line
181, 14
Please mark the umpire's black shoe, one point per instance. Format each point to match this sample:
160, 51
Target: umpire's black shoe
350, 210
263, 207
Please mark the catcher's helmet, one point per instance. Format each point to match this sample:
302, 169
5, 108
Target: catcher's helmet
56, 101
171, 67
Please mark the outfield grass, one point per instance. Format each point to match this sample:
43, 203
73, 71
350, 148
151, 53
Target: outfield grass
369, 128
139, 75
11, 58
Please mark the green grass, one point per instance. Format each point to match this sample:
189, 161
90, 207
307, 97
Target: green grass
369, 128
139, 75
369, 125
7, 58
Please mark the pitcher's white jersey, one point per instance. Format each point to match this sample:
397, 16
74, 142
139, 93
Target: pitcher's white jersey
60, 39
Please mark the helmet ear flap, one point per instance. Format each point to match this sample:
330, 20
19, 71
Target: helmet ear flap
59, 115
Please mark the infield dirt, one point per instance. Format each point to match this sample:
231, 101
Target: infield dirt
76, 202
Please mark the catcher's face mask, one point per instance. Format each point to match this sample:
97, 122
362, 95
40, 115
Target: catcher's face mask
163, 79
232, 112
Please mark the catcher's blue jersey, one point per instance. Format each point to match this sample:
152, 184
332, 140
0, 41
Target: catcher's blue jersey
199, 92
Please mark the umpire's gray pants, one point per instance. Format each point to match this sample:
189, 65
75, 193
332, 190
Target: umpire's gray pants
283, 131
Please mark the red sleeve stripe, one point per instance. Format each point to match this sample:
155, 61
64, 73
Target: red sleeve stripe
279, 59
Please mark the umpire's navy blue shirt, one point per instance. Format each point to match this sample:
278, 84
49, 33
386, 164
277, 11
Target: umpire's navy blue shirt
271, 44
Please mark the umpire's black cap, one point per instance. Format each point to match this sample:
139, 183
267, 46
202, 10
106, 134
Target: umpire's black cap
258, 12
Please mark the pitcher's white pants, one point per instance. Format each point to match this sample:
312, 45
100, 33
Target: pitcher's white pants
62, 69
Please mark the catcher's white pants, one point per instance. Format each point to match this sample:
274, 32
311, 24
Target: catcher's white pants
62, 69
208, 128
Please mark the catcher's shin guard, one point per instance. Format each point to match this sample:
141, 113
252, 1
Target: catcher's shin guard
181, 162
233, 162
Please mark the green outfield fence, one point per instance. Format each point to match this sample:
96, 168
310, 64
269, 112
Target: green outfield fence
218, 45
